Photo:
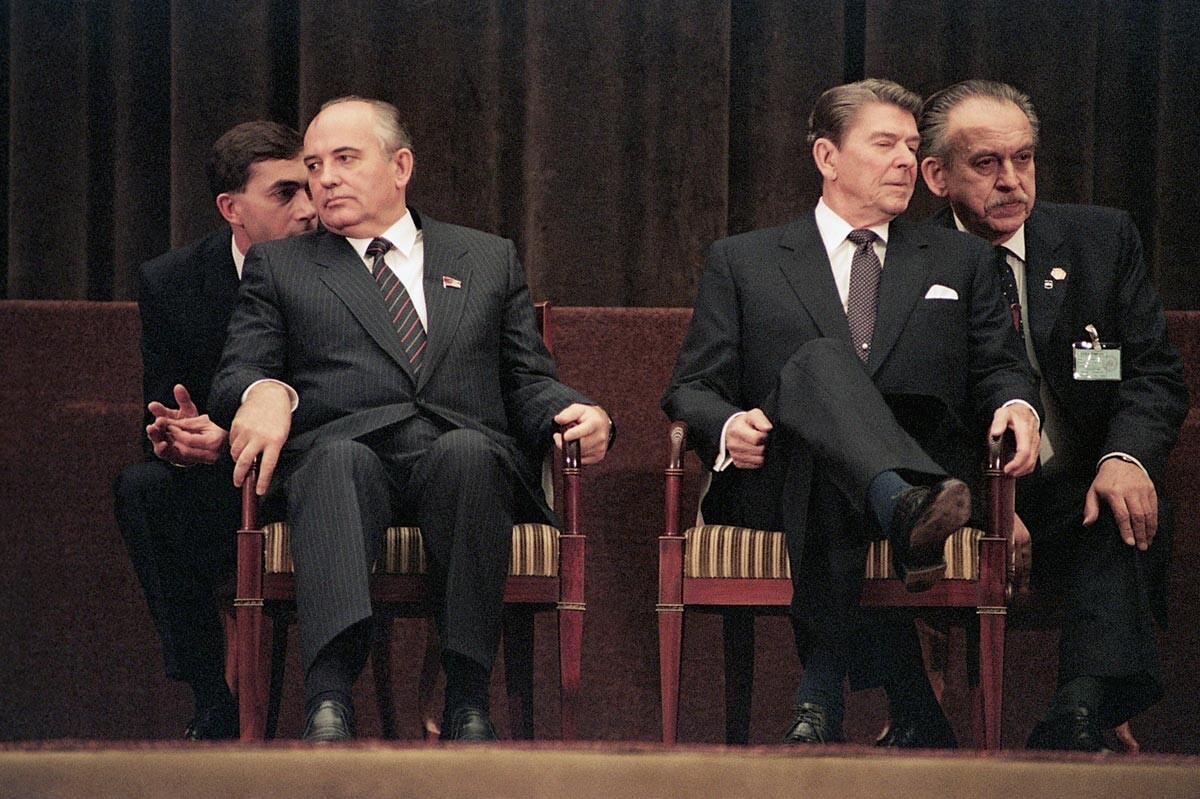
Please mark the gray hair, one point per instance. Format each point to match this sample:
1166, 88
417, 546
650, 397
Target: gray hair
389, 128
836, 108
934, 120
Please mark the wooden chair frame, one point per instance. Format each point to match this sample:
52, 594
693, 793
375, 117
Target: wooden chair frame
739, 601
403, 595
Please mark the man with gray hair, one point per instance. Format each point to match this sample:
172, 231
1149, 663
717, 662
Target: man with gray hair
839, 375
391, 367
1112, 390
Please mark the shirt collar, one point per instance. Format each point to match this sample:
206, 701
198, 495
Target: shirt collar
834, 229
1015, 245
239, 257
402, 234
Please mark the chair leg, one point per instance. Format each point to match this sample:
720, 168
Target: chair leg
991, 673
570, 662
249, 670
278, 664
739, 674
518, 670
670, 643
381, 668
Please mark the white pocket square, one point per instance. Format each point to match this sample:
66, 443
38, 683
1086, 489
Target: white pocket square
940, 292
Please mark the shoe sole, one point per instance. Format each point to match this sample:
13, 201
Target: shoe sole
946, 512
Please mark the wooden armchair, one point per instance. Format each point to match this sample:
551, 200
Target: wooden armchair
740, 573
546, 573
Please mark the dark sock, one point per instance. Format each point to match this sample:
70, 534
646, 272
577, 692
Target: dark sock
210, 690
1079, 692
467, 683
909, 693
821, 682
882, 493
337, 666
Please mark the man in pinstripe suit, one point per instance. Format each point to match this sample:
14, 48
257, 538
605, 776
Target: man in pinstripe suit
391, 367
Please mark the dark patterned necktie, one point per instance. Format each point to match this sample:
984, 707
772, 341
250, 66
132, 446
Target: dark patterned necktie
1008, 282
399, 304
865, 272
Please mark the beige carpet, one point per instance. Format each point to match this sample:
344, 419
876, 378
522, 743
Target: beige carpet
584, 771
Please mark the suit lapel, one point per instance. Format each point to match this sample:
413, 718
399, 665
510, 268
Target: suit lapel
444, 300
806, 267
347, 277
905, 274
1042, 242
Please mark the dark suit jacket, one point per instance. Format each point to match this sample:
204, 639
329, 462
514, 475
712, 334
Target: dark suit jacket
185, 298
310, 314
1107, 286
945, 365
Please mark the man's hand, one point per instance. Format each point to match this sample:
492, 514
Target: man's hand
589, 424
746, 439
260, 427
181, 435
1131, 495
1024, 423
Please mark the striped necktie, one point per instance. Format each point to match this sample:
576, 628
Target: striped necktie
399, 304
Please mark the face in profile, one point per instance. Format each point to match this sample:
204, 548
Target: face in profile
869, 178
275, 203
988, 175
357, 188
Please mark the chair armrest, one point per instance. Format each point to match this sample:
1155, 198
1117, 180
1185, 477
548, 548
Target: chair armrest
570, 461
1002, 491
250, 498
676, 447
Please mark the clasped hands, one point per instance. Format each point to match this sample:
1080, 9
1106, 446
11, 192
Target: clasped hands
182, 436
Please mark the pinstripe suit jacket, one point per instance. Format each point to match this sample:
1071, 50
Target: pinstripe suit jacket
309, 314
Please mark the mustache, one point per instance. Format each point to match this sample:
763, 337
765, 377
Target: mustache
1012, 198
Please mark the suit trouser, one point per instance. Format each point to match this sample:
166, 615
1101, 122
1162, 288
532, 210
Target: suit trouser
179, 526
1104, 589
828, 407
456, 485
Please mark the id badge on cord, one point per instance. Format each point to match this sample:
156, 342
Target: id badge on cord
1096, 360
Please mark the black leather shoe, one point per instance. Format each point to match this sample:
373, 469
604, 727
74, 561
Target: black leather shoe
329, 720
924, 517
213, 723
1073, 729
919, 733
812, 725
470, 724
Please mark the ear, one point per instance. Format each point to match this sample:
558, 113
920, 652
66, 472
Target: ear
934, 172
402, 166
825, 155
228, 206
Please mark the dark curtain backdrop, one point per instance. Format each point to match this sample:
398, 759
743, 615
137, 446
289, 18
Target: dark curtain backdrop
612, 140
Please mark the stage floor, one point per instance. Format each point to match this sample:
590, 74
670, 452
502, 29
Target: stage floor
369, 769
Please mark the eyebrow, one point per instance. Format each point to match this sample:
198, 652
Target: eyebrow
285, 184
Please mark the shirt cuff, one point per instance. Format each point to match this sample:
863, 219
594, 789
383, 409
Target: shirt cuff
723, 459
295, 398
1027, 405
1124, 456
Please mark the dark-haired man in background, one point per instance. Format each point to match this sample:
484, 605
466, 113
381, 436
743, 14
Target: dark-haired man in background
1099, 524
177, 510
840, 374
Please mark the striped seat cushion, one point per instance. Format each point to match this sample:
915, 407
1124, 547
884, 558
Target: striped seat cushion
717, 550
534, 551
